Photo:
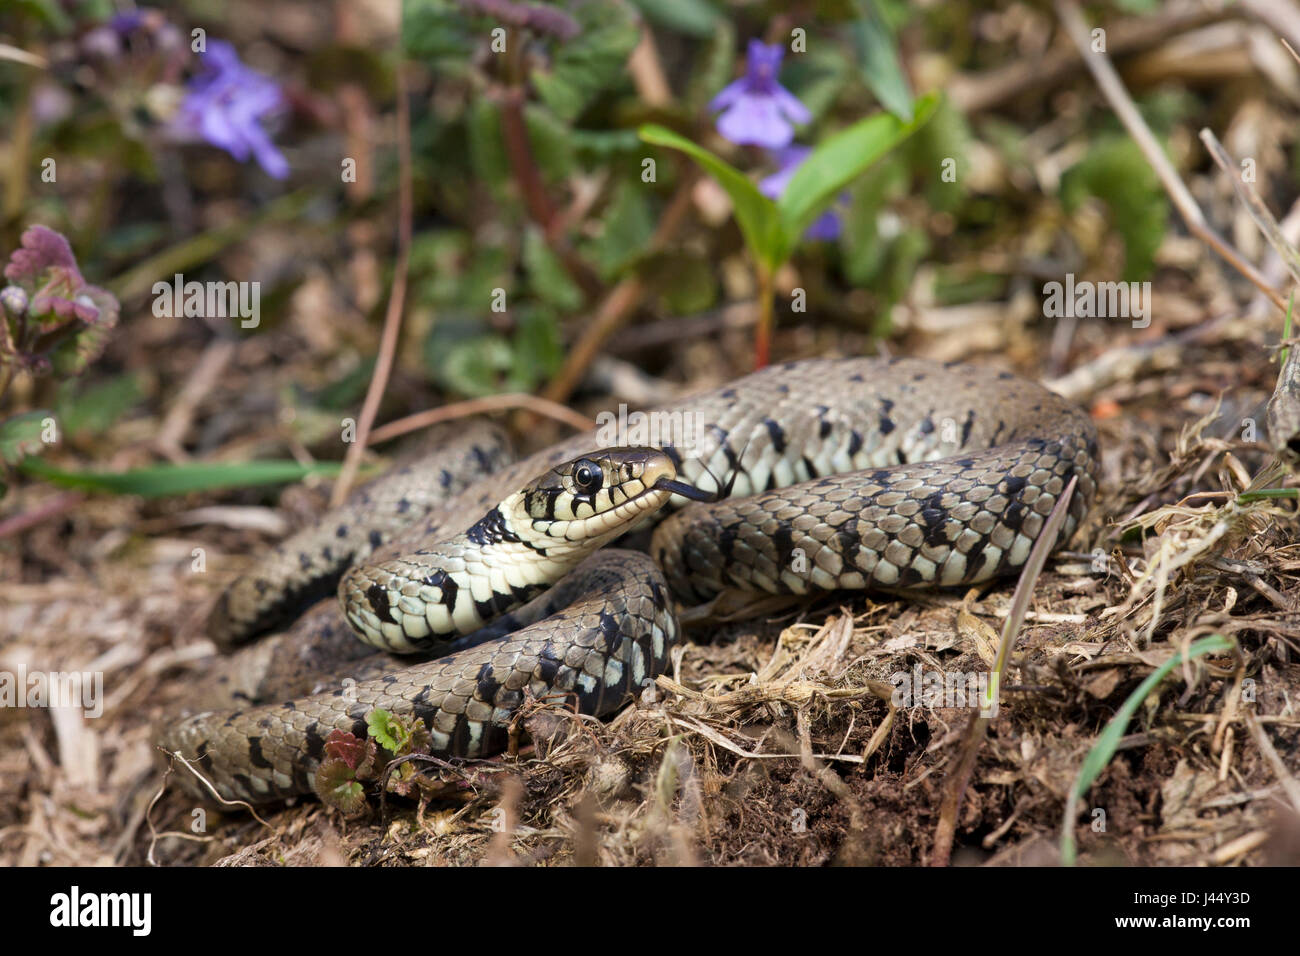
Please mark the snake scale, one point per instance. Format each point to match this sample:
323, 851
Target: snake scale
840, 473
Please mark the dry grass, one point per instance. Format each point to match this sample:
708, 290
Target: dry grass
774, 739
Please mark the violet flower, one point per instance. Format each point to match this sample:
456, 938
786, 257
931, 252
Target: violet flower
824, 227
757, 110
224, 107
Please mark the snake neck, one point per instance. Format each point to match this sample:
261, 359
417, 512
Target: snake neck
419, 601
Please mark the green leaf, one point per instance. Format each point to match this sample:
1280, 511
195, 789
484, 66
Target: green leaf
1108, 742
600, 146
398, 735
342, 393
626, 226
594, 60
20, 435
546, 274
160, 481
538, 349
551, 141
864, 248
688, 282
818, 77
337, 786
48, 11
839, 160
695, 18
879, 59
760, 223
713, 65
1116, 172
95, 409
475, 367
385, 729
486, 144
436, 30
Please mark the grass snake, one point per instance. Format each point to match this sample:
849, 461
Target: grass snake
840, 473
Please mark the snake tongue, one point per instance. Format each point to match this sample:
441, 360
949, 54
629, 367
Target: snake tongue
685, 490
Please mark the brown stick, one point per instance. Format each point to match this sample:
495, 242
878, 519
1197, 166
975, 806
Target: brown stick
477, 406
615, 309
396, 302
1250, 198
1112, 87
202, 379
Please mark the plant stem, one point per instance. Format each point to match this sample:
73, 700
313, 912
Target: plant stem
6, 376
519, 151
763, 336
396, 296
1286, 333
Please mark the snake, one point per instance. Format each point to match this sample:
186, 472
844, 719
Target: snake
476, 584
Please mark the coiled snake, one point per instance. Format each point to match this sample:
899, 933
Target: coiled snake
850, 473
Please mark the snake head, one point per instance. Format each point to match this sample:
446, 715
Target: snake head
602, 493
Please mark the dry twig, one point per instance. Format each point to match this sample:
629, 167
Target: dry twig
396, 302
1112, 87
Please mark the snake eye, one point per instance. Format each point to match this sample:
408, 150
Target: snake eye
587, 476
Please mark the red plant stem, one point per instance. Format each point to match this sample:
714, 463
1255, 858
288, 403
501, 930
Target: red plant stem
50, 508
515, 132
519, 151
763, 334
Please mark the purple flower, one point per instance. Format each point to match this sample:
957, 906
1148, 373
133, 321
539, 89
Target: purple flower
127, 21
757, 110
59, 312
45, 267
225, 104
824, 227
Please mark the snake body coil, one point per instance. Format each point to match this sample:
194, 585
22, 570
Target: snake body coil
845, 473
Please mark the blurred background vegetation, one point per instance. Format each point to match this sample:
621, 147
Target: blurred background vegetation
502, 172
529, 191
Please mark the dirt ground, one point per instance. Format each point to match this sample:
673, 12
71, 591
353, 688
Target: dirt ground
774, 741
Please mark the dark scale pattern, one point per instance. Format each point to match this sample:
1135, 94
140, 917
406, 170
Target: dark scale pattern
491, 529
307, 566
829, 433
955, 520
612, 639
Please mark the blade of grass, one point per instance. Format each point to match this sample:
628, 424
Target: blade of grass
1108, 741
955, 785
1248, 496
162, 480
